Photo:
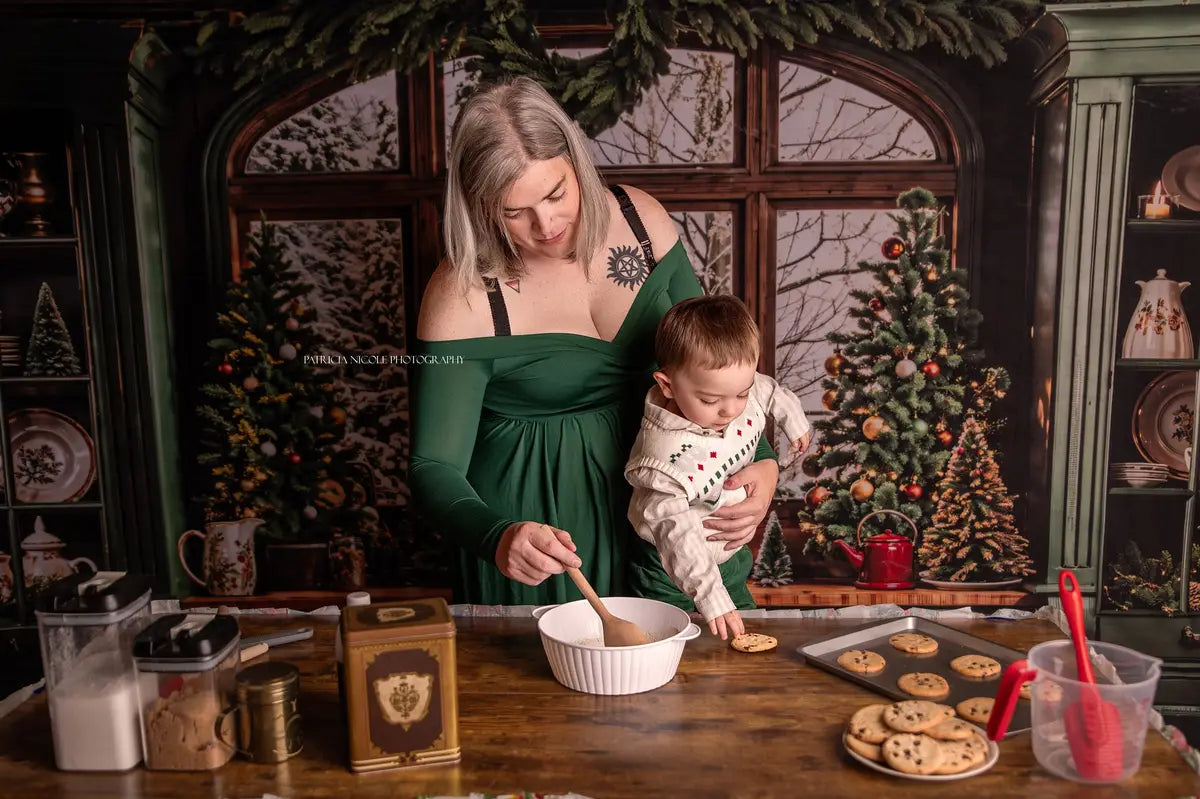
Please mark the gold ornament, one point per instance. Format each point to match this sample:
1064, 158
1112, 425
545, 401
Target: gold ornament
874, 427
861, 490
330, 494
338, 415
893, 476
829, 400
811, 465
247, 485
834, 363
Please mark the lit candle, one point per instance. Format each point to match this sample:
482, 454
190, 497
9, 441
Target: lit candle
1157, 206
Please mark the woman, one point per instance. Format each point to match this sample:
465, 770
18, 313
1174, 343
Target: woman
550, 293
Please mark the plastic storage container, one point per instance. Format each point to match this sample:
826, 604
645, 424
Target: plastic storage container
186, 666
86, 625
401, 689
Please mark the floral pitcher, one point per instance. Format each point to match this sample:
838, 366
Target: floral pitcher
42, 559
229, 567
1159, 328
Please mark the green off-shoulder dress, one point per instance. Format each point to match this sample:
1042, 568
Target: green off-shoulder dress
538, 427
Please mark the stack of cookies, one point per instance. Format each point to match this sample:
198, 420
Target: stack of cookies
916, 737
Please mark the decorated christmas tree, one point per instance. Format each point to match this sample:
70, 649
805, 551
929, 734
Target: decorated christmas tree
773, 566
972, 536
51, 353
271, 428
898, 384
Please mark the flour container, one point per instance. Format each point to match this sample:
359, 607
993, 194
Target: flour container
186, 666
86, 625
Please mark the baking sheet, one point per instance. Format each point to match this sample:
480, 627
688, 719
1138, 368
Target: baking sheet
874, 636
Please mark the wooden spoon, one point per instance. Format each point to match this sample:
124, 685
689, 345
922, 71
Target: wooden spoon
617, 632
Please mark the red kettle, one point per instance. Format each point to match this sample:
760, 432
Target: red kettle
886, 561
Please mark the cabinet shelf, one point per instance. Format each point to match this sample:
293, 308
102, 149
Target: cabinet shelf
1158, 364
38, 241
34, 381
1155, 491
43, 506
1169, 226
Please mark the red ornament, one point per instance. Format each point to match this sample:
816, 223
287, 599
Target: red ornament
816, 495
931, 369
959, 451
225, 368
946, 438
913, 491
295, 457
893, 248
875, 304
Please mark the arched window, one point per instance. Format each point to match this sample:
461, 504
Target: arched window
779, 170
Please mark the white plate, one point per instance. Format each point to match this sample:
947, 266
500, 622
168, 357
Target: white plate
952, 586
884, 768
63, 449
1164, 420
1181, 176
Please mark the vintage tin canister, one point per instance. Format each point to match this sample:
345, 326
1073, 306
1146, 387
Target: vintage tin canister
401, 685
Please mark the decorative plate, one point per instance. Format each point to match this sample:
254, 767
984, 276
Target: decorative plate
884, 768
54, 459
1164, 418
952, 586
1181, 176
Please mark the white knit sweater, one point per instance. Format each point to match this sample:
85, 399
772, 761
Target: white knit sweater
678, 470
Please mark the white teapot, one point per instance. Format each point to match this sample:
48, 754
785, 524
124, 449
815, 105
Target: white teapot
42, 561
1159, 328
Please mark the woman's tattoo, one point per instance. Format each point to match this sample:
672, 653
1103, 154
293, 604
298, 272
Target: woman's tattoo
515, 285
626, 267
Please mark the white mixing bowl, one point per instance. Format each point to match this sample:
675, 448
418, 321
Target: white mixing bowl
574, 643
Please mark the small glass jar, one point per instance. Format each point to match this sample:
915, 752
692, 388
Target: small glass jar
186, 667
85, 626
348, 563
268, 712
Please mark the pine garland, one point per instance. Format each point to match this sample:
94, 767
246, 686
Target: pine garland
368, 37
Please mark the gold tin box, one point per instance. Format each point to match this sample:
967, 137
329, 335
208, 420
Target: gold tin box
401, 684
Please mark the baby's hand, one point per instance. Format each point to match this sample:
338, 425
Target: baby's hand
727, 625
802, 443
795, 450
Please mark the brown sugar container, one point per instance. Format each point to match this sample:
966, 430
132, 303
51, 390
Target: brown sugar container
401, 684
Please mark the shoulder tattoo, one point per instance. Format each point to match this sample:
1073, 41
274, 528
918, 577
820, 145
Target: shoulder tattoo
627, 267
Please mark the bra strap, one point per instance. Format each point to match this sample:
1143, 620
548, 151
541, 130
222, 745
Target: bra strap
635, 224
499, 309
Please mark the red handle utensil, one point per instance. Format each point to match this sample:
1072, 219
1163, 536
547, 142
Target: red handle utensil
1093, 725
1016, 675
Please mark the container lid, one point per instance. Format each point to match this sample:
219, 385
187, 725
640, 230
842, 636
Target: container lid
357, 599
100, 598
185, 642
263, 683
40, 538
396, 621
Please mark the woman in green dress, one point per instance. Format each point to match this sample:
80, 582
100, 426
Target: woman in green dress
538, 330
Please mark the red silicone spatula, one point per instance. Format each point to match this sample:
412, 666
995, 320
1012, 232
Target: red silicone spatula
1093, 724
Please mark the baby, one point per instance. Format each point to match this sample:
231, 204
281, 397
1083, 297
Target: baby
701, 424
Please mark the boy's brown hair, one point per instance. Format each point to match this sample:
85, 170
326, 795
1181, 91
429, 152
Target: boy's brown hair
710, 332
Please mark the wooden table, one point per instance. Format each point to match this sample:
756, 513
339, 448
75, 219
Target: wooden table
729, 724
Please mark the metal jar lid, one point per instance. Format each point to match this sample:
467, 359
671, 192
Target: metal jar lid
268, 683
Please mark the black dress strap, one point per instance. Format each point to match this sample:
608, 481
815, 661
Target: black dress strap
635, 224
499, 309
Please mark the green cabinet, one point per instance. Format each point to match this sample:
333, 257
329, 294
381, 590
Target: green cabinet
1117, 99
88, 100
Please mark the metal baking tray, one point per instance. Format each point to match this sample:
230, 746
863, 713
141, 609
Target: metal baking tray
823, 653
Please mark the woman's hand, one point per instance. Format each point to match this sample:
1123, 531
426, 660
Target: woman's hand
530, 552
737, 523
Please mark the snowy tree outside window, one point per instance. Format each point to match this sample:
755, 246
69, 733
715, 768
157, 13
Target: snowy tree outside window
707, 238
358, 294
823, 118
353, 130
687, 118
817, 252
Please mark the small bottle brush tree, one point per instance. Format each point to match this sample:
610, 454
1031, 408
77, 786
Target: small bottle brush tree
50, 353
773, 566
898, 385
972, 536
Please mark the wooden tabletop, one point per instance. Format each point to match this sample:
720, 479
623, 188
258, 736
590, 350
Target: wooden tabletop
728, 725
